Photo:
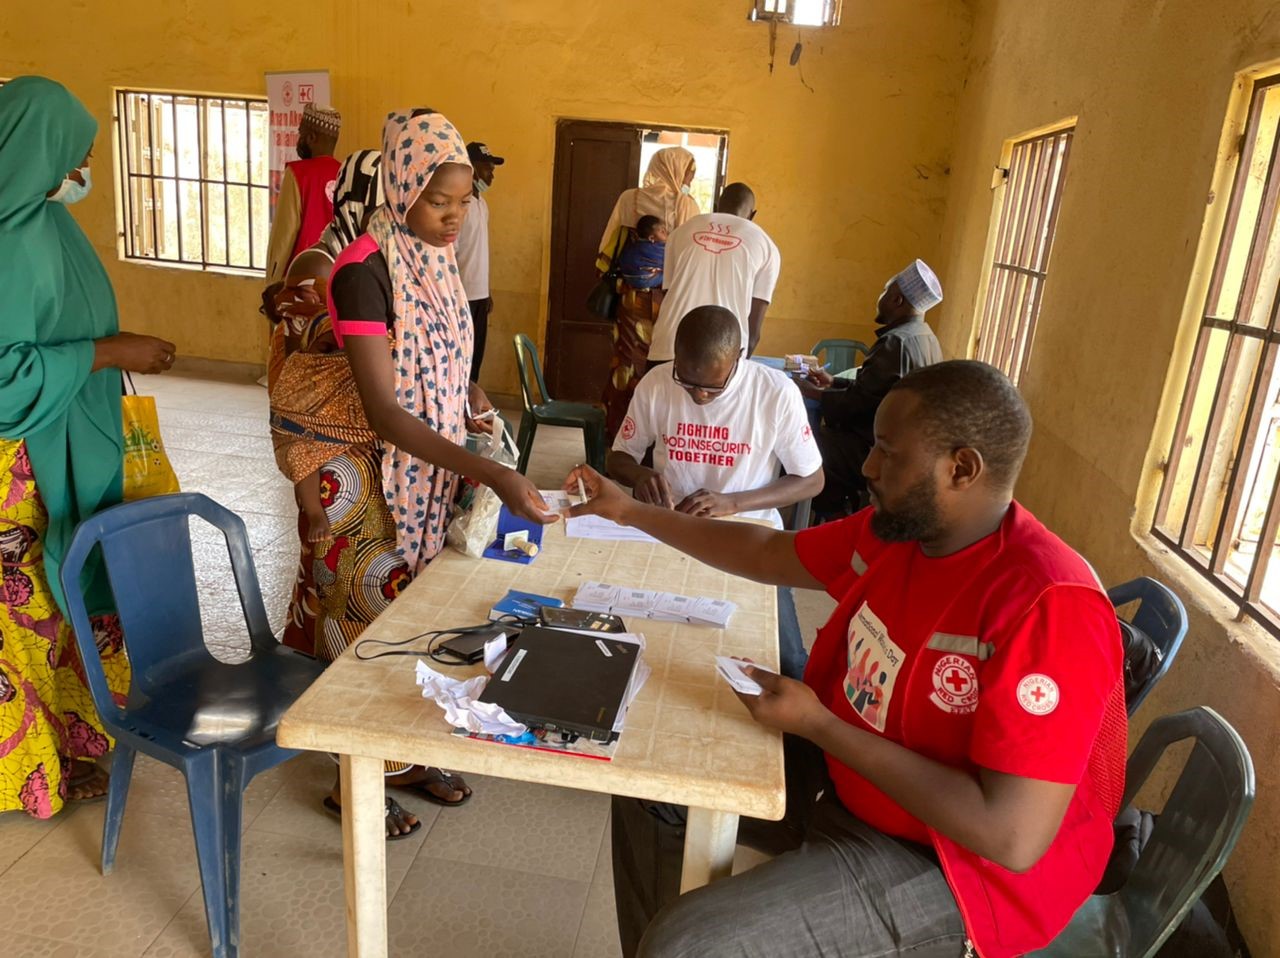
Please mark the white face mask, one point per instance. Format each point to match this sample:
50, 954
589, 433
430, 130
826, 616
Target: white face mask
481, 185
72, 192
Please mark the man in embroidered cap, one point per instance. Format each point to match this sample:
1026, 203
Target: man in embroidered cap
903, 342
305, 205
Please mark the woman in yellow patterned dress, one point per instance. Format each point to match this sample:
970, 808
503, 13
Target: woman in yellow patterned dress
61, 446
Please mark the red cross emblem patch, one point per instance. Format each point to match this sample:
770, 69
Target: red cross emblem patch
1038, 694
955, 685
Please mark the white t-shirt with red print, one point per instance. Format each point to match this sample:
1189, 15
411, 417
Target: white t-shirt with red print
716, 259
739, 441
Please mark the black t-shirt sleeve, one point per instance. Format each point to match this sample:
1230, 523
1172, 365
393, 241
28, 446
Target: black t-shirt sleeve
361, 294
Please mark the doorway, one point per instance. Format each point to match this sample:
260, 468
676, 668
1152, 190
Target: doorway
594, 163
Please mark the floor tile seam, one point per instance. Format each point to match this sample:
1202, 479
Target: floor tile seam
199, 892
444, 857
515, 871
63, 818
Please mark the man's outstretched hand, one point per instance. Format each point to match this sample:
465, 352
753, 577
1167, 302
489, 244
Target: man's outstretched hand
604, 498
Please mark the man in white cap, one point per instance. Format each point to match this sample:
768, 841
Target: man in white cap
904, 342
305, 205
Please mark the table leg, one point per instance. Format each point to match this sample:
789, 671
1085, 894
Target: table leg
709, 841
364, 855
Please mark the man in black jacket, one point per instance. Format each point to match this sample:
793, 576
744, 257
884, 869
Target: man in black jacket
903, 342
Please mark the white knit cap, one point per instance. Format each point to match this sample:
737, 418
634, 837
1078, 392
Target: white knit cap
919, 284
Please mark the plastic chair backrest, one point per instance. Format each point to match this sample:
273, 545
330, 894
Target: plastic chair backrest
1196, 831
146, 546
841, 354
527, 355
1161, 616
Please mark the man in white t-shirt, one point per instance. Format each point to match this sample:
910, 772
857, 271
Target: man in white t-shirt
472, 250
718, 259
723, 428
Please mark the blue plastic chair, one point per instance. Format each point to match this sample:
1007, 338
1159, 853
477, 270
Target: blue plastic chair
1189, 845
214, 722
552, 412
841, 354
1160, 616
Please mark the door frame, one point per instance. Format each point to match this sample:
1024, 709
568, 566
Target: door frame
559, 171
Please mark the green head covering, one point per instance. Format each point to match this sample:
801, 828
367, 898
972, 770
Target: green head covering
55, 300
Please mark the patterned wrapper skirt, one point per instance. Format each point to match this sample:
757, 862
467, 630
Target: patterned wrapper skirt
632, 336
47, 718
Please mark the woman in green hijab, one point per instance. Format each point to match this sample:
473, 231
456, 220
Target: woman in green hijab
61, 447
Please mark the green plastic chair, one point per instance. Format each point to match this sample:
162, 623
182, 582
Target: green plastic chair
552, 412
1191, 841
841, 354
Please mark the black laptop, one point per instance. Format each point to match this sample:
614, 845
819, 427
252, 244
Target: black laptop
564, 681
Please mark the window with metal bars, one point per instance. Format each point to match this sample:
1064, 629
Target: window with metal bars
1028, 216
193, 180
1217, 507
802, 13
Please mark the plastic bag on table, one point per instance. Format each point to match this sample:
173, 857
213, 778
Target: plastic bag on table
475, 522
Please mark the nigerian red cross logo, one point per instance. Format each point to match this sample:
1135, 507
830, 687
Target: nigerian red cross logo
1038, 694
955, 685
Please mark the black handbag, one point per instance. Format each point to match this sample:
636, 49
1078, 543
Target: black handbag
604, 298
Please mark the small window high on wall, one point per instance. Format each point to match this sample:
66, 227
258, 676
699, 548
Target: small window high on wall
193, 180
802, 13
1030, 193
1218, 501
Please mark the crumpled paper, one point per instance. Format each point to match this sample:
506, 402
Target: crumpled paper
458, 700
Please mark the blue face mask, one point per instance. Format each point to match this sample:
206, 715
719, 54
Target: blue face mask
72, 192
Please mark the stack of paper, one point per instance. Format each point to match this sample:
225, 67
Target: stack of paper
647, 604
590, 527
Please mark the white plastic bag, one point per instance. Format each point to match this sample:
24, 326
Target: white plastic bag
475, 521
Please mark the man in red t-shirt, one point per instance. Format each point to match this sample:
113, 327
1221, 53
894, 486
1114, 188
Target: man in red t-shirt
955, 753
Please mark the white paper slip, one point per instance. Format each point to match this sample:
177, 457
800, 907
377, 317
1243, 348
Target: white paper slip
595, 597
713, 611
556, 500
673, 608
731, 670
605, 530
635, 602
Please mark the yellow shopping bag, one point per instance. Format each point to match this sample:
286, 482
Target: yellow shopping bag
147, 470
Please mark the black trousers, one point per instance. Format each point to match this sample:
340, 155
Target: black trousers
480, 320
843, 454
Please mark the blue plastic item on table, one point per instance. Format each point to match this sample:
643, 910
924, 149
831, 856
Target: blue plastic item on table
507, 524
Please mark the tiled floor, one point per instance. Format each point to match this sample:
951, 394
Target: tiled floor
502, 876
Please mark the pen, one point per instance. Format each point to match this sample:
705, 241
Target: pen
582, 490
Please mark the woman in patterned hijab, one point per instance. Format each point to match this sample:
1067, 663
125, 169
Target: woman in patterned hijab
400, 315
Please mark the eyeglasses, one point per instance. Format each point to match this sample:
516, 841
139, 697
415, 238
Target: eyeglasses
708, 390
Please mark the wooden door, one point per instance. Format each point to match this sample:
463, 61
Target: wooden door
594, 163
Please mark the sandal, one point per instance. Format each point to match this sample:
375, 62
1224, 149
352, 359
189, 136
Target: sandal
89, 776
393, 810
438, 776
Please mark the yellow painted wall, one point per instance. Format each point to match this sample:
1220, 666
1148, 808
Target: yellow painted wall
1150, 81
851, 176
